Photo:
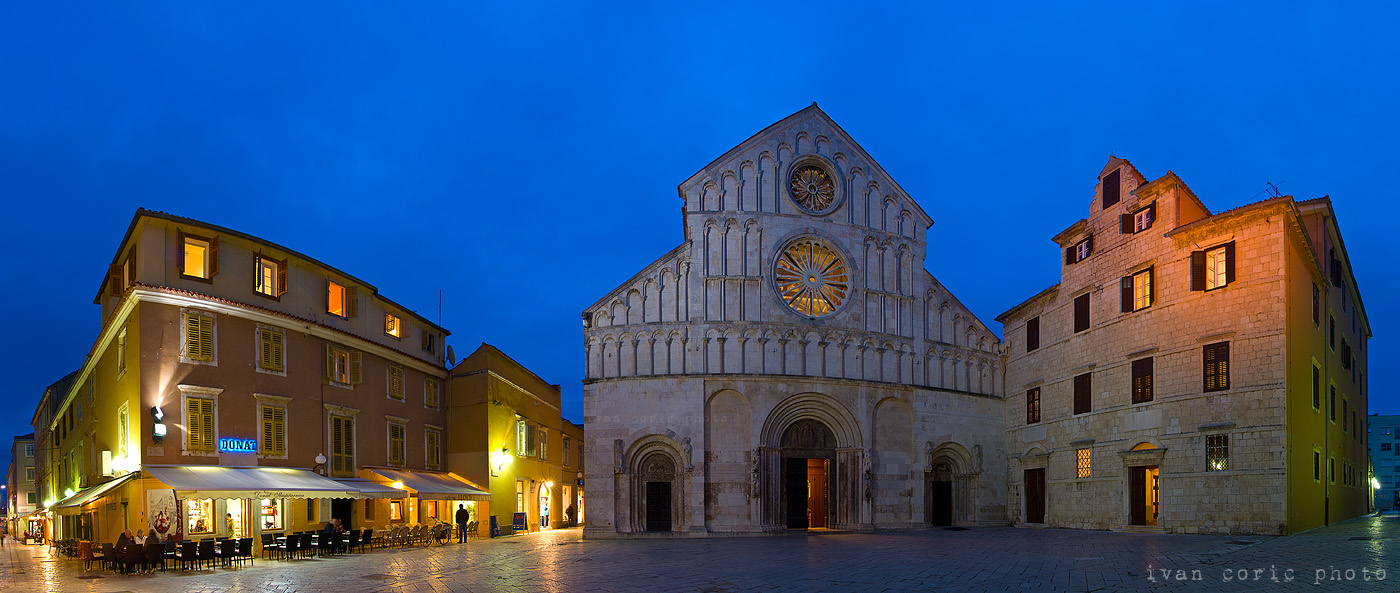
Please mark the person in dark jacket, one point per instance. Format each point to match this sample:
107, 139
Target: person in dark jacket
462, 517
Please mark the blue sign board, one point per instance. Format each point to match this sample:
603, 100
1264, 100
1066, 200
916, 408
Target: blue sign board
238, 445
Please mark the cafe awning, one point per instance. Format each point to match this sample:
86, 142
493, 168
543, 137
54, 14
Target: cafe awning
28, 515
434, 485
214, 481
370, 489
73, 505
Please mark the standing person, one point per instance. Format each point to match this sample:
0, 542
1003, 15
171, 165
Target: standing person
228, 522
462, 517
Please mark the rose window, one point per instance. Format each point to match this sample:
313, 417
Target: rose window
811, 278
812, 188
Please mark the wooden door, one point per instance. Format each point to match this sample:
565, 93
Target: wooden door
1035, 495
1137, 495
795, 479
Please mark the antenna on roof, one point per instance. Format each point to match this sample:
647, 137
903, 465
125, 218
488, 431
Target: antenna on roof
1273, 189
439, 307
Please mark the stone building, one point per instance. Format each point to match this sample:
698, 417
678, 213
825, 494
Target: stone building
1191, 372
791, 364
1384, 443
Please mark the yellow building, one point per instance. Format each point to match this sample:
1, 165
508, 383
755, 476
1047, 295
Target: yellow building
505, 427
237, 387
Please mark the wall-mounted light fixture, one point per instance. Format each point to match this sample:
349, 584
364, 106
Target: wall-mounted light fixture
320, 467
158, 426
499, 461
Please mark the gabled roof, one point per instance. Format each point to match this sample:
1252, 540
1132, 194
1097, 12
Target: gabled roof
809, 111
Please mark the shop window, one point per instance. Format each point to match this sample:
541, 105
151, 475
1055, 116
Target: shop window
199, 516
396, 510
270, 512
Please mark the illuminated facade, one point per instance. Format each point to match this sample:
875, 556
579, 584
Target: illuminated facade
505, 428
21, 499
1384, 439
1191, 372
790, 365
221, 350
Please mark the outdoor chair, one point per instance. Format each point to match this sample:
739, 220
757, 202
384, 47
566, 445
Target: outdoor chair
205, 555
85, 552
171, 548
228, 548
155, 556
291, 546
189, 554
133, 556
109, 557
365, 539
305, 543
270, 547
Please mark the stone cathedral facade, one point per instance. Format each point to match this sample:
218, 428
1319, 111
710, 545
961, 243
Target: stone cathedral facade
791, 364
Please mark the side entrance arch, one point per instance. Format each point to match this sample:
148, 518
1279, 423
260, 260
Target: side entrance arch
809, 468
951, 480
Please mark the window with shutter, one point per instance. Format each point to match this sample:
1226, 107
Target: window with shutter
269, 276
199, 422
393, 326
543, 446
1033, 406
335, 299
270, 350
1142, 380
343, 446
1332, 403
434, 442
1083, 394
1216, 366
199, 257
199, 338
396, 382
1111, 189
338, 365
1081, 312
1032, 334
274, 431
356, 376
430, 393
1317, 304
396, 444
1142, 290
1317, 388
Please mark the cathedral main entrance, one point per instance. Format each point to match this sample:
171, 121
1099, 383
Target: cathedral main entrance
808, 451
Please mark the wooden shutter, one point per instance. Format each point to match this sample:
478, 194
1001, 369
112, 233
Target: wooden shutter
1083, 394
194, 430
1032, 334
431, 385
1081, 312
1089, 249
1069, 255
1150, 295
1125, 290
434, 448
114, 279
180, 253
1142, 380
277, 350
264, 351
282, 277
352, 301
206, 338
199, 414
1216, 363
1152, 213
257, 273
1125, 224
355, 375
330, 363
274, 429
192, 337
1229, 262
1111, 192
213, 255
1198, 270
1033, 406
396, 452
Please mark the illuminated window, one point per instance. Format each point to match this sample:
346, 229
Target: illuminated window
1080, 251
271, 514
430, 393
433, 438
396, 510
199, 516
1033, 406
525, 438
393, 325
270, 350
1216, 366
519, 496
396, 444
274, 431
270, 276
1213, 268
811, 278
1217, 452
342, 301
1083, 464
1142, 219
199, 424
199, 338
342, 366
1137, 291
1142, 380
342, 446
396, 382
199, 257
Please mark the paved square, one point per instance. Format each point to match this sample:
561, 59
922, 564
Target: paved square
991, 559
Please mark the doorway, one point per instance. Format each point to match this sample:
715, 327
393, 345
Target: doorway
544, 505
343, 509
1034, 481
658, 506
940, 511
805, 482
1143, 494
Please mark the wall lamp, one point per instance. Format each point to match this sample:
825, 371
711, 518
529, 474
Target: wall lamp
157, 427
320, 464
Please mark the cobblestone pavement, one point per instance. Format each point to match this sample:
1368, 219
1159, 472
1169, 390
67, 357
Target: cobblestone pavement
984, 559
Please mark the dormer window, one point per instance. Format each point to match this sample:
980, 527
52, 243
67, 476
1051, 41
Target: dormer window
1111, 191
1138, 221
199, 257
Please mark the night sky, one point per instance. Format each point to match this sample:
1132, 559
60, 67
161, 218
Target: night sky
522, 160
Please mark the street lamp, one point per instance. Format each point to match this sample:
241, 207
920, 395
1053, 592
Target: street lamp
320, 464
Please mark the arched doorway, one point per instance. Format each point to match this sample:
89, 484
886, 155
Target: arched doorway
808, 450
658, 472
545, 495
940, 495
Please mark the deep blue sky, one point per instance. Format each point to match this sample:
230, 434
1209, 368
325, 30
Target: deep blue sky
528, 155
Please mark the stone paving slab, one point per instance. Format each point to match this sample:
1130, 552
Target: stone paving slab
1358, 555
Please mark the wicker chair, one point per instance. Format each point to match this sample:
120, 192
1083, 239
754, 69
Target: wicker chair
155, 556
206, 552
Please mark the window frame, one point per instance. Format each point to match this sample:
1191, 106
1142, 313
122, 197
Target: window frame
429, 450
207, 329
1033, 404
1143, 218
210, 258
1201, 276
432, 393
393, 326
278, 281
266, 449
1142, 370
1217, 450
401, 442
1083, 462
1083, 393
189, 393
271, 344
349, 299
1215, 373
348, 440
395, 383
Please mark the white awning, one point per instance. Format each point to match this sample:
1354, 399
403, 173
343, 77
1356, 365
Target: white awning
73, 505
370, 489
213, 481
434, 485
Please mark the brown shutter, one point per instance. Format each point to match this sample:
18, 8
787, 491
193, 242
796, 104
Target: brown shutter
1125, 224
1125, 286
206, 409
1229, 262
206, 338
257, 273
130, 268
267, 436
1151, 285
1152, 213
114, 279
355, 376
278, 351
1083, 394
180, 252
281, 277
330, 362
265, 349
213, 256
1142, 380
279, 430
1081, 312
352, 301
1069, 255
1198, 270
1111, 192
192, 419
1032, 334
1089, 251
